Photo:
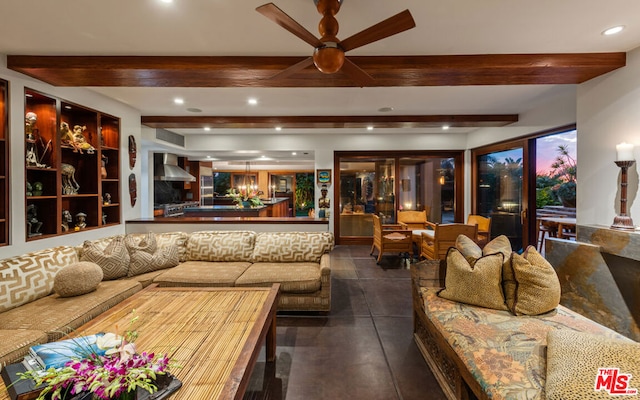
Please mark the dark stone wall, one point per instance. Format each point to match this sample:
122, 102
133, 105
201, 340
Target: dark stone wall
600, 276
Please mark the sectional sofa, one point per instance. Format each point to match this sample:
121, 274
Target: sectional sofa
45, 294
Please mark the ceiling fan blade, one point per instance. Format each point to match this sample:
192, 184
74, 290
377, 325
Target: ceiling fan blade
293, 69
398, 23
278, 16
357, 74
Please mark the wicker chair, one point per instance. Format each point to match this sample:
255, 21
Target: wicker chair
414, 219
484, 228
444, 236
390, 239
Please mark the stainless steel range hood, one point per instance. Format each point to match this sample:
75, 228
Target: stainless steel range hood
166, 169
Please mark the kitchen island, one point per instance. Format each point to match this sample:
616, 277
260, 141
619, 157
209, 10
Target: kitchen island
270, 208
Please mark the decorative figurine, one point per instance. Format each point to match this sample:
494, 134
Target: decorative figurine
31, 148
66, 220
104, 218
76, 138
33, 225
106, 199
133, 191
29, 191
103, 166
69, 183
37, 188
324, 201
81, 221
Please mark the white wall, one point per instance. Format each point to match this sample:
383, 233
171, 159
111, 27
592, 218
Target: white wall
608, 114
129, 125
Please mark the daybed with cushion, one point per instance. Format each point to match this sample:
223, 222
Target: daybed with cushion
45, 294
496, 330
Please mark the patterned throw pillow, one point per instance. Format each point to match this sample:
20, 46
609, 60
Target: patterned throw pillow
143, 262
501, 244
114, 259
537, 288
292, 246
575, 359
178, 239
77, 279
145, 242
226, 246
29, 277
469, 249
477, 283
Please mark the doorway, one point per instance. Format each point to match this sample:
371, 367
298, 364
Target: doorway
383, 183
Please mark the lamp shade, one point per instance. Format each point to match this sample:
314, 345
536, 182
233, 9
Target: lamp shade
624, 152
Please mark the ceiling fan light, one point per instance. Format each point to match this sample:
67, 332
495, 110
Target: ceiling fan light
328, 60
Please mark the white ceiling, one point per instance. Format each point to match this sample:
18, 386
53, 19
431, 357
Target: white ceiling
233, 27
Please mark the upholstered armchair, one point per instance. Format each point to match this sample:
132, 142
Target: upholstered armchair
414, 219
390, 239
436, 244
484, 228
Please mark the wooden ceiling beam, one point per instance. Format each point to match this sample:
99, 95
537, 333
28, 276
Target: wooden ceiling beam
387, 71
328, 122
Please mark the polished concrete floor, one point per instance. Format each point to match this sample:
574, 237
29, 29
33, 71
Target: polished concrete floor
362, 349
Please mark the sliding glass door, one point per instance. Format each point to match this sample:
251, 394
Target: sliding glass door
382, 183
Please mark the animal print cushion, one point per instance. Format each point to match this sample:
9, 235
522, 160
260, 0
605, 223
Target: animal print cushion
537, 285
575, 359
114, 259
77, 279
469, 249
477, 283
220, 246
29, 277
502, 245
291, 246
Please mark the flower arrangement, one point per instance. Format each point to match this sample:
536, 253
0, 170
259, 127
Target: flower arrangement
245, 194
114, 372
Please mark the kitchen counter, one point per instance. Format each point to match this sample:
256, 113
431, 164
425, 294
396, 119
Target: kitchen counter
270, 208
256, 224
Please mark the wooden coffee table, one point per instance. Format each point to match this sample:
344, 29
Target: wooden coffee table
214, 334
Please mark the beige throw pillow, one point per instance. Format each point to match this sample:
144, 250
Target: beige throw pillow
143, 262
77, 279
576, 359
477, 283
114, 259
537, 288
146, 242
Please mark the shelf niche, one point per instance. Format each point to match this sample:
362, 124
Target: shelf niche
73, 171
4, 163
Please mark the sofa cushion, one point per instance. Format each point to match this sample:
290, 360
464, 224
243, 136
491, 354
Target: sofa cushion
295, 277
468, 248
144, 242
78, 278
291, 246
143, 262
225, 246
15, 344
575, 359
28, 277
477, 282
202, 273
57, 315
178, 239
101, 244
537, 285
505, 353
113, 259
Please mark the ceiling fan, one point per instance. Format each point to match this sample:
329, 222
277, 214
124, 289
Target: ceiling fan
328, 56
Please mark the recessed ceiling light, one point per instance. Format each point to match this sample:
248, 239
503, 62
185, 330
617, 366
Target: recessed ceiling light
206, 128
209, 157
178, 100
67, 107
445, 127
369, 128
166, 1
252, 101
293, 153
613, 30
278, 128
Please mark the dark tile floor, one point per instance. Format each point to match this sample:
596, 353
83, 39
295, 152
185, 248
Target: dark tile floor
363, 349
